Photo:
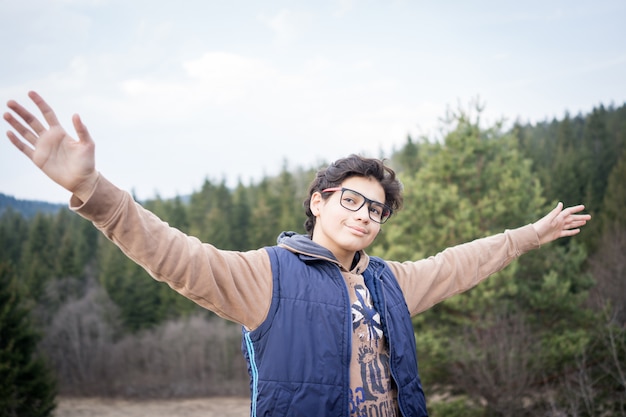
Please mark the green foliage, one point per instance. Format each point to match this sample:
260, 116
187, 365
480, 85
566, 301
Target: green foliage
174, 211
455, 407
27, 387
142, 301
474, 183
594, 382
209, 214
557, 286
613, 216
574, 158
38, 261
409, 158
241, 215
13, 229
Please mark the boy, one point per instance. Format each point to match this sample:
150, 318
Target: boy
326, 329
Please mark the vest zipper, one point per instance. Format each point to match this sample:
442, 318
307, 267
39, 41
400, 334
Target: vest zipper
254, 371
382, 311
348, 335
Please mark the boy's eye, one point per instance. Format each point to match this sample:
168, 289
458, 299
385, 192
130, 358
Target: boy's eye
350, 201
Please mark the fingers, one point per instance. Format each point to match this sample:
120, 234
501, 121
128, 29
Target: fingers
569, 232
572, 222
26, 150
27, 117
44, 108
578, 222
574, 209
571, 219
26, 133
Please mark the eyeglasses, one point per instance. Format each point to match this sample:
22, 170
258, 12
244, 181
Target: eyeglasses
353, 201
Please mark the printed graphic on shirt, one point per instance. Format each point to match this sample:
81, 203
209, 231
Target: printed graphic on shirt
365, 315
373, 398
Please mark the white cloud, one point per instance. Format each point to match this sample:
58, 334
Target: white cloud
287, 25
226, 77
82, 3
344, 7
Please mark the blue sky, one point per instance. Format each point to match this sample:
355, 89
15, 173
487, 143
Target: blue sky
176, 92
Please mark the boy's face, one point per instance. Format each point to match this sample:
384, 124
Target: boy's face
340, 230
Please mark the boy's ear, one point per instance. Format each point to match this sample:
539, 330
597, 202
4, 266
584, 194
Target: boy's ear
314, 204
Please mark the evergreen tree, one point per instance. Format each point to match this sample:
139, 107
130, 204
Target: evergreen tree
172, 211
66, 260
218, 219
568, 161
13, 230
86, 241
474, 184
407, 159
241, 218
264, 219
38, 260
27, 387
200, 204
288, 203
601, 155
613, 217
176, 214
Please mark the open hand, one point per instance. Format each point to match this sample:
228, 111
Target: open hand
560, 223
67, 161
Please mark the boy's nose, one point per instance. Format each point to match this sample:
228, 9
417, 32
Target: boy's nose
364, 212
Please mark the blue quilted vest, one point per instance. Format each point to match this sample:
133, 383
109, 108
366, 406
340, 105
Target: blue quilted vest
299, 358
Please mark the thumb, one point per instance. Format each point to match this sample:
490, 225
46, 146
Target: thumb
559, 208
544, 226
81, 130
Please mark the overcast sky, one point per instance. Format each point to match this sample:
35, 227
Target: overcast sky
174, 92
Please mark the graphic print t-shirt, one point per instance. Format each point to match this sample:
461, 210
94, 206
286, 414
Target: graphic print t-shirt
371, 391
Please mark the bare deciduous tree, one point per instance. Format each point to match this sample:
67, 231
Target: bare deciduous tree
193, 356
608, 268
495, 363
78, 341
187, 357
596, 385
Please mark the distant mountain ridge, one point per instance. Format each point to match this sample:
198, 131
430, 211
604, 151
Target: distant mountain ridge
28, 208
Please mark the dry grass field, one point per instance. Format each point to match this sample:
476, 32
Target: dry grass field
198, 407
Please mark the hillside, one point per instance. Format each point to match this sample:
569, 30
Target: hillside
28, 208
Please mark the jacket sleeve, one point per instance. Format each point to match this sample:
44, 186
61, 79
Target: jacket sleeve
457, 269
234, 285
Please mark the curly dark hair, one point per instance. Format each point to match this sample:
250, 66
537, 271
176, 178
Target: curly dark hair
353, 166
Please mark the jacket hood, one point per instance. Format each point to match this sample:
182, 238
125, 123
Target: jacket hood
303, 244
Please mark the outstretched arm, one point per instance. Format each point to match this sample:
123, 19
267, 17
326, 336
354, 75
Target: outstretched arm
67, 161
560, 223
459, 268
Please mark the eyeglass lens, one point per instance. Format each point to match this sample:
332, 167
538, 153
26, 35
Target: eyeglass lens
353, 201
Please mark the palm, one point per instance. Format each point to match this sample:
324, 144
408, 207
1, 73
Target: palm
62, 158
68, 162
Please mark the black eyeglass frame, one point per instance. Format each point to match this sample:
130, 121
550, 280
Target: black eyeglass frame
385, 208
